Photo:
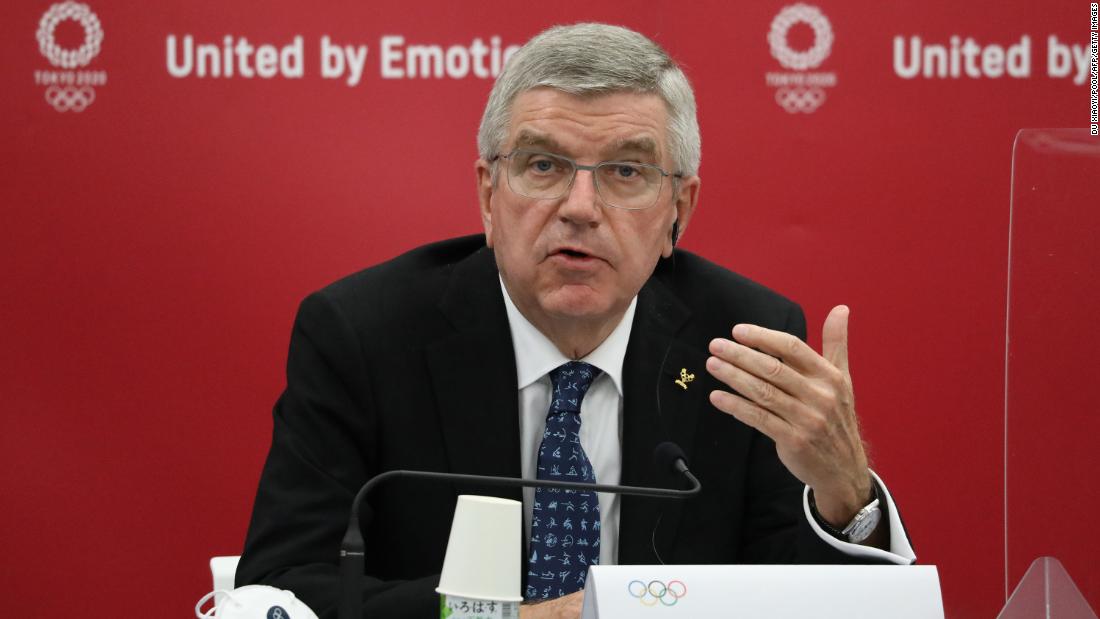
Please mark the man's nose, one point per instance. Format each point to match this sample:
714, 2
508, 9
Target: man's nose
582, 203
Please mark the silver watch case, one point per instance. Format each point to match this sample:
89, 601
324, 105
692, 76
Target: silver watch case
865, 522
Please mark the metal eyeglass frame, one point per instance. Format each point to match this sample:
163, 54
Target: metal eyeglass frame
595, 177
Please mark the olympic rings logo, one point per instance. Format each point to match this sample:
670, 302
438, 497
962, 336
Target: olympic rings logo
781, 26
70, 98
796, 100
68, 58
656, 591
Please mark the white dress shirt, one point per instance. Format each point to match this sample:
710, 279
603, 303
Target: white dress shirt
602, 430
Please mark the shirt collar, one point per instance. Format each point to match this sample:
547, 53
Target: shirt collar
536, 355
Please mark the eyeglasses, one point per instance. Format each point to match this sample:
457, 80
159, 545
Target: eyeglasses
622, 184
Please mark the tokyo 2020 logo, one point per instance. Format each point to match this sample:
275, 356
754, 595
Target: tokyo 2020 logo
65, 58
656, 591
781, 27
70, 88
798, 90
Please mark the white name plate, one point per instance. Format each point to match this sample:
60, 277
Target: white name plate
763, 591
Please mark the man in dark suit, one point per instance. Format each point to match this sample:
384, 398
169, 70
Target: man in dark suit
446, 359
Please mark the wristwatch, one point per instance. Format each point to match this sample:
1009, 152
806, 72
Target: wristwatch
861, 526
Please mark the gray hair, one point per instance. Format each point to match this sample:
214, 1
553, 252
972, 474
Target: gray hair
590, 60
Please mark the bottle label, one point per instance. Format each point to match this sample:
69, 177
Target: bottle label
454, 607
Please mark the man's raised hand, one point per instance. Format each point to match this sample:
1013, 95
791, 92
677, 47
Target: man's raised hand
804, 402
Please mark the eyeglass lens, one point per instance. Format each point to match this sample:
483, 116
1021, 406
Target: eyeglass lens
620, 184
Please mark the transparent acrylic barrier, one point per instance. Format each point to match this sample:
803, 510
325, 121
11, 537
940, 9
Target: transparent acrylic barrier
1046, 592
1052, 362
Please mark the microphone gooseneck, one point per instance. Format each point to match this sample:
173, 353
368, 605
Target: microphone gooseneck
668, 457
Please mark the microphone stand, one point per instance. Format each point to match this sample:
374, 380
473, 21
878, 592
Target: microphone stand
352, 548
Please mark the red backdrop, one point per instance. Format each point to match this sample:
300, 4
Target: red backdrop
156, 244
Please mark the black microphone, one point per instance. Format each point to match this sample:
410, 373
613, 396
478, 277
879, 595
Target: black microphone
667, 456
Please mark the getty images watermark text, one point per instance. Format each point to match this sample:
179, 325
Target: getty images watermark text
1094, 8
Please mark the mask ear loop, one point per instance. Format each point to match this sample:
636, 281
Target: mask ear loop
204, 599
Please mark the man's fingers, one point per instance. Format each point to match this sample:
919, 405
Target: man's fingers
565, 607
796, 353
788, 348
767, 392
772, 426
763, 366
834, 337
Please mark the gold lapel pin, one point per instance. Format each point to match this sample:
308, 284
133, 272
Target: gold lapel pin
685, 378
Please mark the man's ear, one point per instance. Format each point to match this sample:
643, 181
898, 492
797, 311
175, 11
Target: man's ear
485, 197
687, 196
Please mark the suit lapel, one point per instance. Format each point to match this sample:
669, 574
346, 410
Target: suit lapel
655, 409
473, 373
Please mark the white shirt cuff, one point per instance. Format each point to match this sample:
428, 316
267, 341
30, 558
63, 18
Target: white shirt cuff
901, 553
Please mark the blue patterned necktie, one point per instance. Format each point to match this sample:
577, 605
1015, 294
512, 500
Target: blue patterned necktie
565, 524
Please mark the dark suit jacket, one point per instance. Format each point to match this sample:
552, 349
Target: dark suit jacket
409, 365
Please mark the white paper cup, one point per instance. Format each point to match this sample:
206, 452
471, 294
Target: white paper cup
483, 554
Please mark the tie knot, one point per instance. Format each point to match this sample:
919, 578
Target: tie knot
570, 382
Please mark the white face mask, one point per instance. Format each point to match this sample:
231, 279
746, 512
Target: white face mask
254, 602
